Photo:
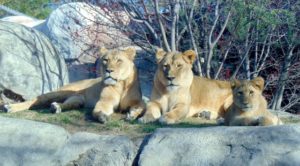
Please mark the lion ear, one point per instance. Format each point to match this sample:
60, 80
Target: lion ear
130, 52
258, 82
102, 51
235, 83
189, 56
160, 54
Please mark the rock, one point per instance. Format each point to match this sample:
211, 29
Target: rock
25, 142
29, 64
111, 152
275, 145
81, 71
146, 66
77, 31
23, 20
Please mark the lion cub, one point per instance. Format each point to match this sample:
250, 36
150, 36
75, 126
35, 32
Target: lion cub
249, 107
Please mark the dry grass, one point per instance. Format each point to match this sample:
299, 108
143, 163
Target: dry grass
81, 120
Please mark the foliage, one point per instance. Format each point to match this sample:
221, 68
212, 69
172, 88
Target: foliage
32, 8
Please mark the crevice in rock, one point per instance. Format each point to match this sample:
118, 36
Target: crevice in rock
143, 144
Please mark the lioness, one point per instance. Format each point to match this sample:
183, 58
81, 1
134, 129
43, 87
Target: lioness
118, 89
177, 93
249, 107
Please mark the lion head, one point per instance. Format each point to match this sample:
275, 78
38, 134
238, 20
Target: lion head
247, 94
116, 65
175, 69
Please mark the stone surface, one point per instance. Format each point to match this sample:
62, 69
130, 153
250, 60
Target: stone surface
276, 145
115, 151
29, 64
25, 142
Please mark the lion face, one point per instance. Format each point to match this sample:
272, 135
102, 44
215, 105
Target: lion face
116, 65
174, 68
246, 94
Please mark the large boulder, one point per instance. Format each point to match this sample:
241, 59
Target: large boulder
106, 151
25, 142
264, 146
29, 64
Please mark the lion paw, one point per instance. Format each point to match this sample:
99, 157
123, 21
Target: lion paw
55, 108
220, 121
130, 117
205, 115
133, 114
166, 120
146, 119
7, 108
102, 118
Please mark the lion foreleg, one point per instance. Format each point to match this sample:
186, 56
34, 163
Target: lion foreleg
153, 112
73, 102
178, 112
269, 120
17, 107
244, 121
136, 111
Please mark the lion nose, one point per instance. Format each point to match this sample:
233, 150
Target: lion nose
170, 78
108, 70
246, 103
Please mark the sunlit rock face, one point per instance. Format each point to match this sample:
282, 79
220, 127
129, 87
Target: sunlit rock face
29, 63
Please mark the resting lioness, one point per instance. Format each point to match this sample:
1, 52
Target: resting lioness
177, 93
118, 89
249, 107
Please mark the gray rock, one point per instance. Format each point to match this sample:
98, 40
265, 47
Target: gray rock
276, 145
111, 152
29, 64
25, 142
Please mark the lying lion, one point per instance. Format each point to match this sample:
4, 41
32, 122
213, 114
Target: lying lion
177, 93
118, 89
249, 107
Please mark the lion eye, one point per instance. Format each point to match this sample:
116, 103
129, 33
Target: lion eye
119, 61
165, 67
240, 93
104, 61
179, 66
251, 92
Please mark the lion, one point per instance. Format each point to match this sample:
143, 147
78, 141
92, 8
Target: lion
177, 93
118, 89
249, 107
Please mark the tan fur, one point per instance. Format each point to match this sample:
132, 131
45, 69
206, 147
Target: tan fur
249, 106
118, 89
190, 95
